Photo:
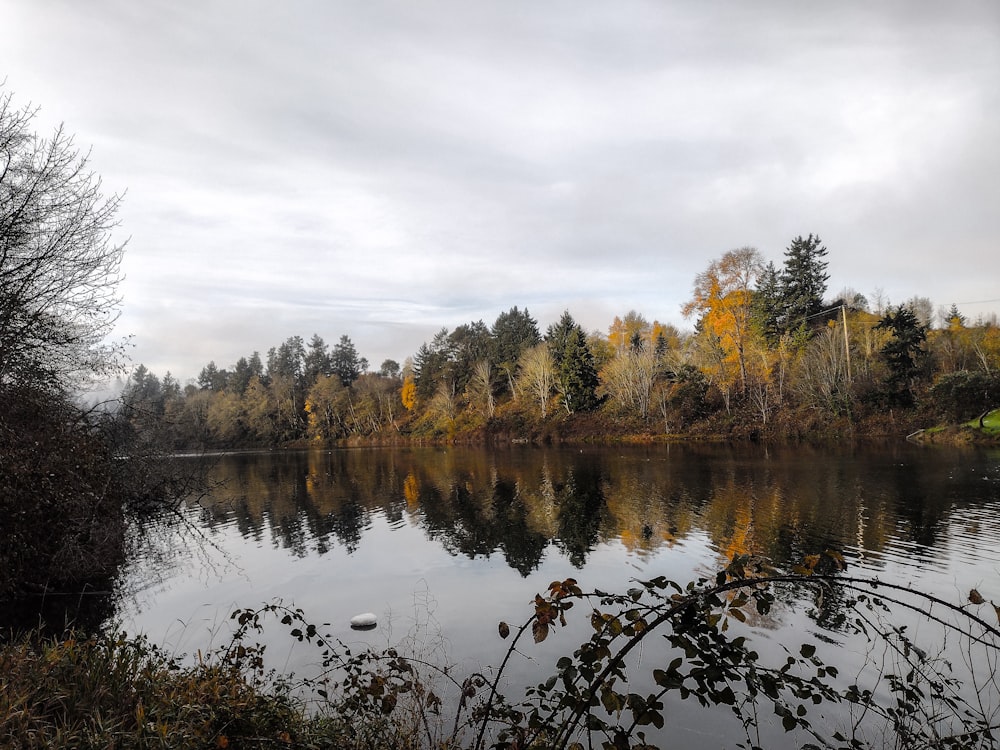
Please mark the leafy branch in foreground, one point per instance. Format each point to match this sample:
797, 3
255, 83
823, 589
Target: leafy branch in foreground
710, 642
698, 642
908, 696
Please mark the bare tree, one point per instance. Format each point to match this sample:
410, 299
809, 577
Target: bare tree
480, 388
537, 375
59, 267
629, 378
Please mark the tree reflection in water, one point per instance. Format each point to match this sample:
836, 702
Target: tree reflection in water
782, 503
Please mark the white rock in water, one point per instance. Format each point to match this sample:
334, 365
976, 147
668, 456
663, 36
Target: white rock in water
366, 620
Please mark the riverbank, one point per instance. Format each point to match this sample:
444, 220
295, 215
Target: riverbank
802, 426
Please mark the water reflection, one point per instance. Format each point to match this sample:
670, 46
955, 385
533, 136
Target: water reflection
783, 503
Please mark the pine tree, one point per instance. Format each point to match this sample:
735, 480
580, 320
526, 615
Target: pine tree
344, 361
576, 376
513, 332
903, 354
317, 360
767, 310
803, 281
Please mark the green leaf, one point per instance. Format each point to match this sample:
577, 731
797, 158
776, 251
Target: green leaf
807, 650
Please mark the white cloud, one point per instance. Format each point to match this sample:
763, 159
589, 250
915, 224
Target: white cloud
383, 169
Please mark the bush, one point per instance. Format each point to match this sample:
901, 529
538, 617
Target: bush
961, 396
64, 523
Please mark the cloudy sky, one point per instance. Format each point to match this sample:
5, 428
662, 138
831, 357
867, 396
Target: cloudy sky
384, 169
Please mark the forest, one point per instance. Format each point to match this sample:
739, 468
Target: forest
769, 356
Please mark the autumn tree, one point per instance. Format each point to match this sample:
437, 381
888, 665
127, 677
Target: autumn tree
632, 331
325, 407
629, 379
480, 390
408, 392
723, 298
536, 376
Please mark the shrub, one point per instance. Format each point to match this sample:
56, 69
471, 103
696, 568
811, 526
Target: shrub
961, 396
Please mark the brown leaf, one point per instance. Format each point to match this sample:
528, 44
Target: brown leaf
540, 631
997, 610
975, 597
504, 629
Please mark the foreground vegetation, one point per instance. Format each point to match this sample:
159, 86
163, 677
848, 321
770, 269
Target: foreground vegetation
700, 644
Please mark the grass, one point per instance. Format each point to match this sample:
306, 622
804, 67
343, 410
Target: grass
990, 423
113, 691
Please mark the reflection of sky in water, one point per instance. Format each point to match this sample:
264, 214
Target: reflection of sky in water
403, 559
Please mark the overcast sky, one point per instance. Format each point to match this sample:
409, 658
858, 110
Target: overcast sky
384, 169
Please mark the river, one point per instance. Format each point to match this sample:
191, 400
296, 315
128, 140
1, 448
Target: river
443, 543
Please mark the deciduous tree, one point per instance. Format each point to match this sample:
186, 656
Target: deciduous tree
723, 297
59, 265
536, 376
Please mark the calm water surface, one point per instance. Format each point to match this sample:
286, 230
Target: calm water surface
443, 543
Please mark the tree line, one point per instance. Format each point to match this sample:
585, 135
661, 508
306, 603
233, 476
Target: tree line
769, 353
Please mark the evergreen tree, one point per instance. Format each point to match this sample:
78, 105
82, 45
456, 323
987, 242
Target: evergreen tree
766, 308
239, 378
317, 360
576, 376
211, 378
955, 319
513, 332
344, 361
803, 281
431, 365
288, 360
469, 344
903, 354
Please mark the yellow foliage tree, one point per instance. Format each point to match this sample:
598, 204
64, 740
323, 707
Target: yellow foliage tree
723, 294
408, 393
